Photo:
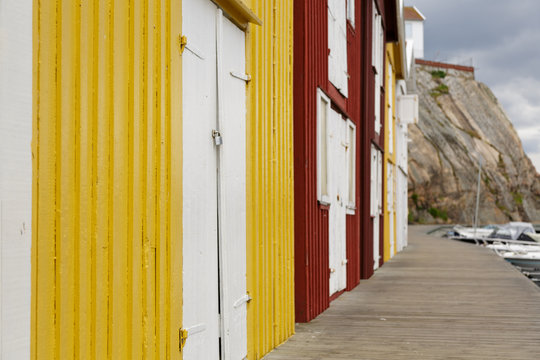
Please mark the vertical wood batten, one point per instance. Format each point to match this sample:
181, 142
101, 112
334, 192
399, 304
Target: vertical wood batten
150, 202
77, 239
120, 80
65, 172
137, 11
84, 165
133, 222
43, 219
162, 155
106, 128
101, 315
144, 73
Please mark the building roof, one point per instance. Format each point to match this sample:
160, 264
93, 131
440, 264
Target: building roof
411, 13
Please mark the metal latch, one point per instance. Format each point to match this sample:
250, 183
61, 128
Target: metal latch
218, 140
182, 338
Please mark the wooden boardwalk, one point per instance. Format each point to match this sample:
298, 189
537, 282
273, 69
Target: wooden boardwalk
438, 299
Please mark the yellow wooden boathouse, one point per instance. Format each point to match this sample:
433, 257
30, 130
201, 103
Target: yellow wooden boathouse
109, 155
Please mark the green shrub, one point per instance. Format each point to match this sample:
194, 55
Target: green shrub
414, 198
436, 213
501, 206
438, 74
442, 89
443, 215
518, 198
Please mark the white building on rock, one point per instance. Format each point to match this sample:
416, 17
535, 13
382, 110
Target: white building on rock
414, 29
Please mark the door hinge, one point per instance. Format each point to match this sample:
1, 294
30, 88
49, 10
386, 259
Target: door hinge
182, 338
183, 43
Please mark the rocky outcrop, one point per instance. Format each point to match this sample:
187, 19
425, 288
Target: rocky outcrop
461, 123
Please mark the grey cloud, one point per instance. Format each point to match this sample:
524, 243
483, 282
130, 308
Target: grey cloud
531, 146
469, 24
501, 37
462, 26
519, 98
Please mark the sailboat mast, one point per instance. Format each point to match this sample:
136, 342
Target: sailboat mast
477, 199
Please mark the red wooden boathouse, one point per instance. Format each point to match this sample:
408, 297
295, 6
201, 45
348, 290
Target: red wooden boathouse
334, 131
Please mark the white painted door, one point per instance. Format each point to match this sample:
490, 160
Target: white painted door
391, 208
376, 201
376, 236
200, 229
401, 210
214, 205
232, 207
338, 191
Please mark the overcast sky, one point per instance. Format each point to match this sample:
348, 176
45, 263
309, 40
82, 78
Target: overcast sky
502, 39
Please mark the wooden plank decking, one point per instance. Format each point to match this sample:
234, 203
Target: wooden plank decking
438, 299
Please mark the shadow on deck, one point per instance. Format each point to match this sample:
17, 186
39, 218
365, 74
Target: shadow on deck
438, 299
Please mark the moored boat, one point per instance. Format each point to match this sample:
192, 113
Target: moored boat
512, 231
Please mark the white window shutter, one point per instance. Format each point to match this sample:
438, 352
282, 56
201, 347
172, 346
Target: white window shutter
373, 187
350, 11
377, 62
333, 53
374, 36
337, 44
323, 113
351, 163
379, 182
407, 109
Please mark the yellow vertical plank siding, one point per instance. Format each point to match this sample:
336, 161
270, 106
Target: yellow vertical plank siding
388, 157
106, 247
44, 211
270, 231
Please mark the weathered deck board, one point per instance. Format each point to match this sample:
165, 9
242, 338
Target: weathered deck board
438, 299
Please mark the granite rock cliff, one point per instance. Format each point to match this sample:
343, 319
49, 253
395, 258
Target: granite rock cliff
461, 123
